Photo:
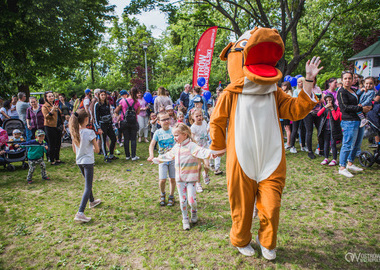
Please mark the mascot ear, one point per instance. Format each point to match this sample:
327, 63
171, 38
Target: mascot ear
224, 54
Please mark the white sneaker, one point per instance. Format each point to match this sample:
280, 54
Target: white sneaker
363, 122
267, 254
186, 224
354, 168
293, 150
95, 203
121, 144
194, 217
135, 158
304, 149
325, 161
247, 250
198, 187
346, 173
80, 217
128, 158
316, 151
206, 178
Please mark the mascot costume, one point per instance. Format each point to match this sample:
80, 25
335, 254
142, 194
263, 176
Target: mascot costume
251, 106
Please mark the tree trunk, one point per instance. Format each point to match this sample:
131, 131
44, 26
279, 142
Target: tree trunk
24, 88
92, 71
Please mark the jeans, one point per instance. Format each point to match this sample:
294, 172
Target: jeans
28, 133
87, 171
143, 124
352, 140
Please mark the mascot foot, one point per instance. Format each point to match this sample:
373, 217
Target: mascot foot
247, 250
267, 254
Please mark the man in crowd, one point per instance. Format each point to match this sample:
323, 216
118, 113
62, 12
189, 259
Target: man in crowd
21, 107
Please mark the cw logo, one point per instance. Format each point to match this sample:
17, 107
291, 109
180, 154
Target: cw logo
351, 257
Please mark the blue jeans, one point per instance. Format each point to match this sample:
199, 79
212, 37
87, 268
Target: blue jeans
352, 140
28, 133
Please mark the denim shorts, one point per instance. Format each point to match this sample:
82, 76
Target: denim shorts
165, 168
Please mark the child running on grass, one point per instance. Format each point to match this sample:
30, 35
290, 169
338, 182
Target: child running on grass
165, 139
186, 154
84, 145
199, 132
36, 150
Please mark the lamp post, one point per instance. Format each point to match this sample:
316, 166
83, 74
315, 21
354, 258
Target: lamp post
145, 48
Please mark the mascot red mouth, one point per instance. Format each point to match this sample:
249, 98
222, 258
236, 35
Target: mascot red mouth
262, 58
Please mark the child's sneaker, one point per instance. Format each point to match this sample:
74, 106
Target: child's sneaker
304, 149
186, 224
325, 161
46, 178
194, 217
127, 158
30, 182
206, 178
332, 163
80, 217
293, 150
363, 122
198, 187
95, 203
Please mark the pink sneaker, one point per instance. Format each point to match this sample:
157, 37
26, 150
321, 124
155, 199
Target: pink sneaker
95, 203
80, 217
325, 161
332, 163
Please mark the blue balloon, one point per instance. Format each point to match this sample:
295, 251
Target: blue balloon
293, 81
286, 78
153, 99
207, 95
378, 87
148, 97
298, 76
201, 81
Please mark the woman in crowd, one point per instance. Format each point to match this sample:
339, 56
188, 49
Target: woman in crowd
130, 108
5, 110
64, 106
162, 100
352, 132
13, 111
52, 123
298, 124
142, 117
331, 88
34, 116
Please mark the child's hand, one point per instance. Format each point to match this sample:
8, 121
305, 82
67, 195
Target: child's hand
46, 147
17, 145
150, 158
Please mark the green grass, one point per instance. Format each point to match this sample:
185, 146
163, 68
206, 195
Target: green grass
323, 216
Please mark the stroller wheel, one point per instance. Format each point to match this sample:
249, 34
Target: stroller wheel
366, 159
11, 168
25, 166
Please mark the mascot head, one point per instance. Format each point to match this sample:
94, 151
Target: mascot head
254, 55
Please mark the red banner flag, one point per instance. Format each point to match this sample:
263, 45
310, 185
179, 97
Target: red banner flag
203, 58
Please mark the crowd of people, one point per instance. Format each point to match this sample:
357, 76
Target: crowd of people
179, 131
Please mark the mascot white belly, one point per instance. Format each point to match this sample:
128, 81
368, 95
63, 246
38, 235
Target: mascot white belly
258, 140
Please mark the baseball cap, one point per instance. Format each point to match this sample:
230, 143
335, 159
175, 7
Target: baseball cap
39, 132
87, 91
16, 131
123, 92
96, 91
169, 107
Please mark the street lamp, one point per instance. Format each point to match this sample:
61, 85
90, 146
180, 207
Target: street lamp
145, 48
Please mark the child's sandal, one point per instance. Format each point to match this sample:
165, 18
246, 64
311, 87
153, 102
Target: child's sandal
162, 200
171, 200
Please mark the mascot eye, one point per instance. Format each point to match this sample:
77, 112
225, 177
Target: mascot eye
243, 43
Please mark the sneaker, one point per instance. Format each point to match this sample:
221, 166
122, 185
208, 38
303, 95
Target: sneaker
46, 178
117, 152
206, 178
81, 217
212, 167
95, 203
247, 250
218, 171
332, 163
346, 173
311, 155
135, 158
107, 159
325, 161
194, 217
354, 168
121, 144
304, 149
128, 158
293, 150
316, 151
186, 224
112, 157
30, 182
267, 254
287, 147
198, 187
363, 122
139, 139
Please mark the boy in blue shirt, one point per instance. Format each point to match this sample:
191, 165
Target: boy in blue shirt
36, 149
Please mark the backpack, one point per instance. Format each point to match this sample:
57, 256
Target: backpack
130, 115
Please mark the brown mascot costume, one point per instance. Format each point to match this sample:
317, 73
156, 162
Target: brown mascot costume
251, 106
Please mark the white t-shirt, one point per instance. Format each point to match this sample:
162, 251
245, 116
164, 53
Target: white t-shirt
6, 112
85, 152
86, 102
200, 134
13, 113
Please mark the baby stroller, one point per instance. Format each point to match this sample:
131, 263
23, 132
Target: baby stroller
18, 155
366, 158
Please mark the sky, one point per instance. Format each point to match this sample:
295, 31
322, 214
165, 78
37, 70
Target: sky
153, 18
